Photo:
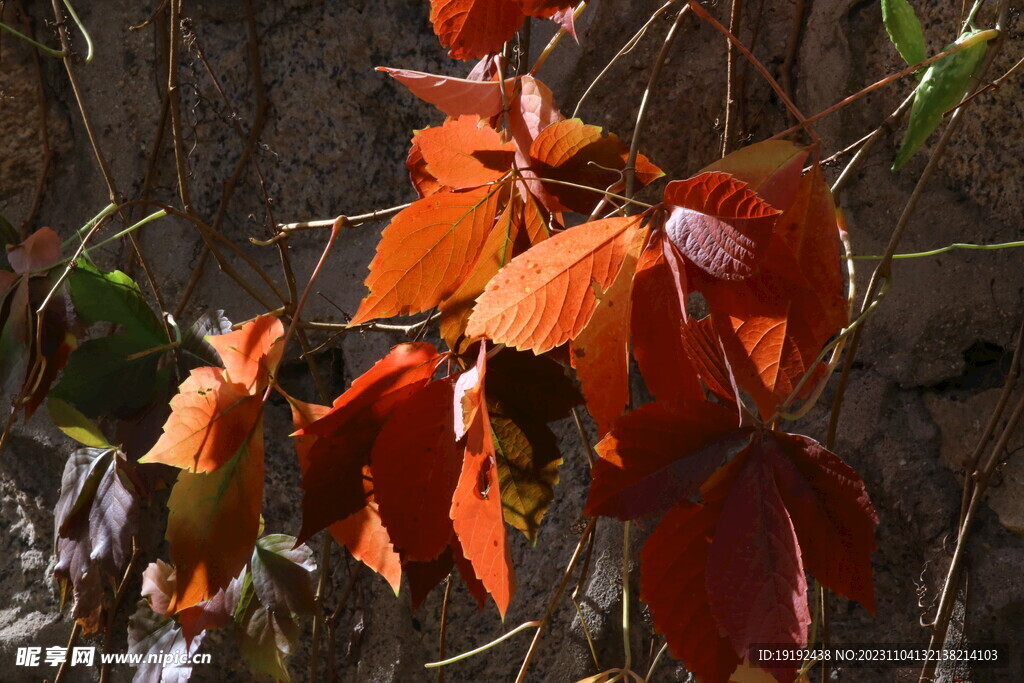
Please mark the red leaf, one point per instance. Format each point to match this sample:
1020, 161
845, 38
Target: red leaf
655, 457
531, 111
464, 152
332, 469
426, 252
571, 151
719, 224
546, 296
703, 348
453, 96
772, 169
833, 517
600, 353
415, 469
251, 353
672, 582
476, 510
40, 250
361, 532
755, 578
776, 323
424, 576
474, 28
655, 322
211, 418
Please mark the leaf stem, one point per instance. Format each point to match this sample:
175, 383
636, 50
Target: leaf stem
484, 648
555, 40
943, 250
36, 44
81, 27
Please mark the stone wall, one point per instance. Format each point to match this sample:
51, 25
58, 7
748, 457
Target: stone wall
335, 142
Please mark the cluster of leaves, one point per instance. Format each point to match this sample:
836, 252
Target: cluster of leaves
522, 243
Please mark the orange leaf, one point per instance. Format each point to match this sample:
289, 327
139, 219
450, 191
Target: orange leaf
497, 252
211, 419
600, 353
415, 468
252, 352
719, 224
332, 467
213, 522
476, 510
424, 183
571, 151
474, 28
453, 96
366, 538
546, 296
530, 112
426, 252
463, 152
655, 322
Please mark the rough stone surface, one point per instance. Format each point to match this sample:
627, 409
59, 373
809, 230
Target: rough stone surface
335, 142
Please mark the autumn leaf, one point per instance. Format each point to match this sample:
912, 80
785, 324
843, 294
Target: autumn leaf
529, 388
422, 181
673, 566
655, 457
497, 252
571, 151
39, 251
476, 509
368, 541
774, 326
214, 520
416, 466
531, 111
782, 505
94, 522
454, 96
332, 467
755, 577
546, 296
426, 252
600, 353
831, 513
772, 169
211, 418
527, 473
655, 322
160, 645
252, 353
474, 28
361, 532
425, 576
719, 224
464, 152
704, 348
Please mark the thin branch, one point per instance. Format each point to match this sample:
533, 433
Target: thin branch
729, 133
630, 170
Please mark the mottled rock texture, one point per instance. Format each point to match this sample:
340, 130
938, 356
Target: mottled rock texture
335, 141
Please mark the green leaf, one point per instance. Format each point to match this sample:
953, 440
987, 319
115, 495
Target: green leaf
264, 638
527, 472
114, 297
280, 574
15, 335
74, 424
904, 29
943, 87
111, 376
